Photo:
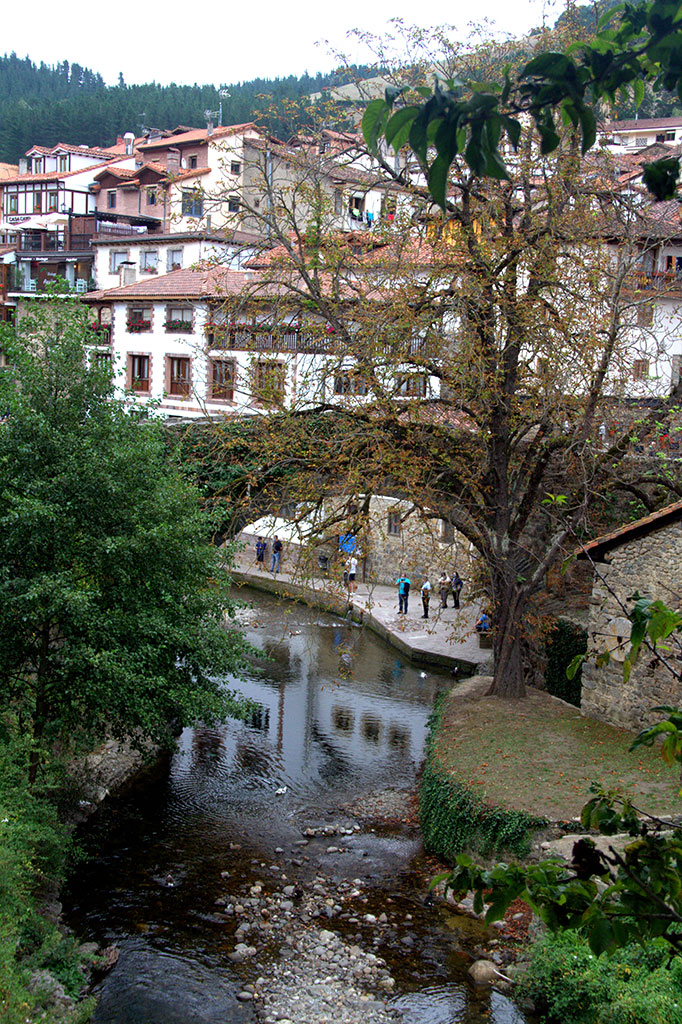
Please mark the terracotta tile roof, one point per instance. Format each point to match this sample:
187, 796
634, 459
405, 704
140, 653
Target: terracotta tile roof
194, 283
596, 549
8, 171
197, 135
116, 172
50, 175
644, 123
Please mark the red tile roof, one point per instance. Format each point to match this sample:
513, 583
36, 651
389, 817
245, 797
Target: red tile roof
197, 135
644, 123
194, 283
19, 179
8, 171
597, 548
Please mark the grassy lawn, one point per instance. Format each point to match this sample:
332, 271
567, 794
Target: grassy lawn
540, 755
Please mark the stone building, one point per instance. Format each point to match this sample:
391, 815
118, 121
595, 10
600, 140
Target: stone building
645, 556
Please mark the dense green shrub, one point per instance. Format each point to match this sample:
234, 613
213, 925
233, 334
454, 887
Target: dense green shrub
565, 641
568, 983
33, 850
454, 819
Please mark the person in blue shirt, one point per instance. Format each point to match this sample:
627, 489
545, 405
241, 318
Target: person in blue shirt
483, 623
403, 585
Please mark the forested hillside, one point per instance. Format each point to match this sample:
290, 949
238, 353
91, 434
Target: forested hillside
69, 103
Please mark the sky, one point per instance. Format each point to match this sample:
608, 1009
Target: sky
225, 42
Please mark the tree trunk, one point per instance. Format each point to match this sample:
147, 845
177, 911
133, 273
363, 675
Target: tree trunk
509, 606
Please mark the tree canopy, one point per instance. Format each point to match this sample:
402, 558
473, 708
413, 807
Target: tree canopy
114, 615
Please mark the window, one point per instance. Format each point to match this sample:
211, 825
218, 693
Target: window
660, 137
645, 314
192, 163
192, 204
149, 261
51, 202
37, 166
413, 386
356, 207
138, 372
235, 167
349, 383
447, 531
269, 382
178, 369
116, 258
233, 204
675, 366
37, 202
221, 380
12, 204
394, 525
4, 361
151, 197
111, 199
338, 201
139, 319
179, 319
641, 140
63, 163
174, 259
102, 361
640, 369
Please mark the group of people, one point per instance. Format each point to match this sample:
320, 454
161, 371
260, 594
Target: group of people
261, 549
446, 585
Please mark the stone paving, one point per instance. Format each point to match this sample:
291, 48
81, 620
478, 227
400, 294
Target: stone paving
446, 638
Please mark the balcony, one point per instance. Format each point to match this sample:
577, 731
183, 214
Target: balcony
233, 339
658, 282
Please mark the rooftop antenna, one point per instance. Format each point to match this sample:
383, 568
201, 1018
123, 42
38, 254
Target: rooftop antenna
222, 94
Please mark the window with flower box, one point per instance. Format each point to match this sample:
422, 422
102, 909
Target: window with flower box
178, 375
139, 319
174, 259
178, 320
138, 371
269, 379
116, 258
222, 373
149, 261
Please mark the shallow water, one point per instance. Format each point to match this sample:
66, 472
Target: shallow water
339, 715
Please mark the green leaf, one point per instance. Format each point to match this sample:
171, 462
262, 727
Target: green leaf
372, 122
438, 179
398, 128
600, 936
660, 177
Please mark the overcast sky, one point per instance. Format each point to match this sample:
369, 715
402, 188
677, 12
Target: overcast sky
214, 43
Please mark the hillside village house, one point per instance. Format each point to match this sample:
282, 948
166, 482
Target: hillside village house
121, 222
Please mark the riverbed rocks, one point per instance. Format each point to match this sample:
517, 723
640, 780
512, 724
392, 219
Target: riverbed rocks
314, 974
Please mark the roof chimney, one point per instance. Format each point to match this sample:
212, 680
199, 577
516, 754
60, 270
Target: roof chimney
23, 165
173, 160
128, 140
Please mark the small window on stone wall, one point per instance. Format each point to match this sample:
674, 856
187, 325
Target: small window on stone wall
394, 525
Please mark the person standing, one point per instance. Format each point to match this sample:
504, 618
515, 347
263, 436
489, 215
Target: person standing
260, 553
276, 554
351, 569
457, 584
426, 597
403, 593
444, 589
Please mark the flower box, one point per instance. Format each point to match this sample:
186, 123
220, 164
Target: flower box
138, 326
179, 326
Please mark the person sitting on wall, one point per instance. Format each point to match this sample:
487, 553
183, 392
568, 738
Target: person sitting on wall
483, 623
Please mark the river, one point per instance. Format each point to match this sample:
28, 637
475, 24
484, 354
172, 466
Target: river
240, 811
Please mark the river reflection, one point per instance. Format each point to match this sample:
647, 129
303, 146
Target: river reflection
337, 714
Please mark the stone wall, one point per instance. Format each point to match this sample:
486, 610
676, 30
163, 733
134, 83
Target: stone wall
652, 565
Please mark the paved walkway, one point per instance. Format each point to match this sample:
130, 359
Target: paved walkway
446, 638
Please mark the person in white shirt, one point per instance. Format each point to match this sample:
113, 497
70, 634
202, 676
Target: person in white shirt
351, 569
426, 597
